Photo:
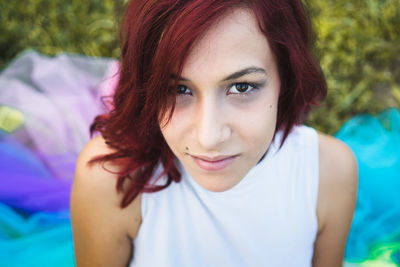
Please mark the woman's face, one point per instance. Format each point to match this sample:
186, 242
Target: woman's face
226, 109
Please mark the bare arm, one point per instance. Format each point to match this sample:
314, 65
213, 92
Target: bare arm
102, 231
336, 201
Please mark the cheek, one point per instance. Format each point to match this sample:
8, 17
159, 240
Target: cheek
175, 130
260, 114
261, 127
258, 125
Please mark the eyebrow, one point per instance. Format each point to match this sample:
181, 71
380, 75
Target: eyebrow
234, 75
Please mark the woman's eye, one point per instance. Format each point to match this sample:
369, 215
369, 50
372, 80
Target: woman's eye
183, 90
240, 88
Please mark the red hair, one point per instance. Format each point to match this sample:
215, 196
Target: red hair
156, 37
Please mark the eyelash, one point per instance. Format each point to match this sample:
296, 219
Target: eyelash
254, 86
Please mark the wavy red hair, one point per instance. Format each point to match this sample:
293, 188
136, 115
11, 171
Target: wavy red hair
156, 37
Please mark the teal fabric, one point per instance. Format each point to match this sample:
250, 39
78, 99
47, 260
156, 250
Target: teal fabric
375, 233
42, 239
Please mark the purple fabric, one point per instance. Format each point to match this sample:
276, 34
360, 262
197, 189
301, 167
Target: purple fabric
50, 103
26, 184
59, 98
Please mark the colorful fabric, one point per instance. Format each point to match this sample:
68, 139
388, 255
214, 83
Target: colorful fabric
374, 239
46, 106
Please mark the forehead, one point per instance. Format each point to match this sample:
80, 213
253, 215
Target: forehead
233, 42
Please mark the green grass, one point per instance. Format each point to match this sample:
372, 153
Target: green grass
53, 26
358, 46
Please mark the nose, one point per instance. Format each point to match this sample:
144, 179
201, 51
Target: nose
211, 125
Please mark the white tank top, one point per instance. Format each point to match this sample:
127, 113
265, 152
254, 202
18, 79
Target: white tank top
267, 219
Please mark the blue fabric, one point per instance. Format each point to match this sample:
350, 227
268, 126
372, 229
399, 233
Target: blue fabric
27, 185
42, 239
375, 141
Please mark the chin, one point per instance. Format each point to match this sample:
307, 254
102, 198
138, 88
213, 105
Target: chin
217, 182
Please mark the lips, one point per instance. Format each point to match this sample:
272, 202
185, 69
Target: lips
213, 163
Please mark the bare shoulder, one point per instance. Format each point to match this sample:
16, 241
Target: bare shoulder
336, 200
102, 231
338, 166
338, 176
100, 184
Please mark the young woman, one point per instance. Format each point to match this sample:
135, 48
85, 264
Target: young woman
202, 161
